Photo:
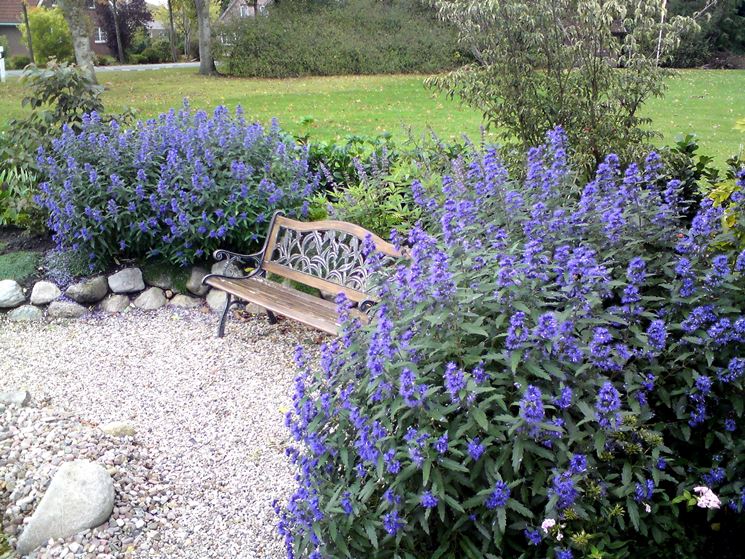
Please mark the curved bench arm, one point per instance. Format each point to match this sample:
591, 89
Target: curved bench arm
254, 260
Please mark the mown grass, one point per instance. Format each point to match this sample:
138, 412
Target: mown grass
705, 102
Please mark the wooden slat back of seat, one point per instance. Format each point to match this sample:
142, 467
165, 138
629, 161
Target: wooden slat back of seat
326, 255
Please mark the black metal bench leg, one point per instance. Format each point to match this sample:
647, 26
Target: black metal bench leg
272, 318
224, 319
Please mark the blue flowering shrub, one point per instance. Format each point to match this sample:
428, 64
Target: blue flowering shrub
176, 187
550, 375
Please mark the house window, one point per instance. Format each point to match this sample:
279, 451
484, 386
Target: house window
100, 36
244, 10
91, 4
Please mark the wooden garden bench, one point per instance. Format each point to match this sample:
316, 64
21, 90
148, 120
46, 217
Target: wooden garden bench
327, 255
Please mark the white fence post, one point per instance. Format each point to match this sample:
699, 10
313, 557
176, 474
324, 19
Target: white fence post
2, 65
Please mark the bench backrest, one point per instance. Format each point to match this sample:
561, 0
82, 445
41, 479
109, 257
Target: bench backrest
327, 255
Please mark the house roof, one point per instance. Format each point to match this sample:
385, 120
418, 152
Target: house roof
10, 12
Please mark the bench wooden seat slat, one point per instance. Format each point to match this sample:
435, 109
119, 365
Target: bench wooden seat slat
286, 301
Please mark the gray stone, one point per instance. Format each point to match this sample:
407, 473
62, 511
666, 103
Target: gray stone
216, 300
11, 294
184, 301
194, 284
88, 291
160, 278
225, 269
15, 397
44, 292
26, 313
118, 429
151, 299
114, 304
65, 309
80, 496
128, 280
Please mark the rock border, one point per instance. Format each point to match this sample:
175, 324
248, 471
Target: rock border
117, 292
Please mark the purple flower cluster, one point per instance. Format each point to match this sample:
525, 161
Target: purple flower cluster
177, 186
544, 347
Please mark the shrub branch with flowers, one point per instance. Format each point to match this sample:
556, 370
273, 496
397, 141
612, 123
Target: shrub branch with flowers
558, 371
176, 187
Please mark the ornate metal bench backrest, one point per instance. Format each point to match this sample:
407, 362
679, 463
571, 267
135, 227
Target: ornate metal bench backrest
327, 254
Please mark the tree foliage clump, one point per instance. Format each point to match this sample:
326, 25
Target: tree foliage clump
587, 65
132, 15
50, 35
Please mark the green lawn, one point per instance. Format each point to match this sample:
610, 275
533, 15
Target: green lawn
705, 102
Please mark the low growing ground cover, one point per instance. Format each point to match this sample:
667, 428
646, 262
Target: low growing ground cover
706, 103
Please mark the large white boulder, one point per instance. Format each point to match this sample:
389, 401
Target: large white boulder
44, 292
11, 294
80, 496
128, 280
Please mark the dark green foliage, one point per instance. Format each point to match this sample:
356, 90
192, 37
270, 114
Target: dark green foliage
330, 38
367, 180
18, 62
722, 29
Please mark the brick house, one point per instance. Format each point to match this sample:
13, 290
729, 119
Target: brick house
11, 16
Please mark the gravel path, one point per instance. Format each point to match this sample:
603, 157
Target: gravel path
208, 414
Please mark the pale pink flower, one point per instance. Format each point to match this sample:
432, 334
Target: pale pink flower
706, 498
547, 524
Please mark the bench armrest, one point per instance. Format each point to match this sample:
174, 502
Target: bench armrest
367, 305
254, 259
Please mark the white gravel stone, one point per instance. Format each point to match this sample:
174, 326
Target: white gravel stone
88, 291
225, 269
128, 280
118, 429
210, 428
65, 309
150, 299
15, 397
217, 300
26, 313
194, 283
11, 294
44, 292
184, 301
115, 304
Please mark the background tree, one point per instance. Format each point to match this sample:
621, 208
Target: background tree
79, 23
131, 15
722, 30
587, 65
206, 61
50, 35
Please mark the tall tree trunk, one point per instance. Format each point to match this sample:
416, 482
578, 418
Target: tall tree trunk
206, 62
172, 32
119, 47
76, 16
28, 33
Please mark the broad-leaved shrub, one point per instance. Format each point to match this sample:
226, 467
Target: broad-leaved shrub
549, 375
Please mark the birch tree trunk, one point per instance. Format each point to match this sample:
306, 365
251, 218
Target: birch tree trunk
206, 62
76, 16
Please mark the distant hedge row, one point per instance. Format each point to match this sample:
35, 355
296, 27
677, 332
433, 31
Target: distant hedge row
312, 37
